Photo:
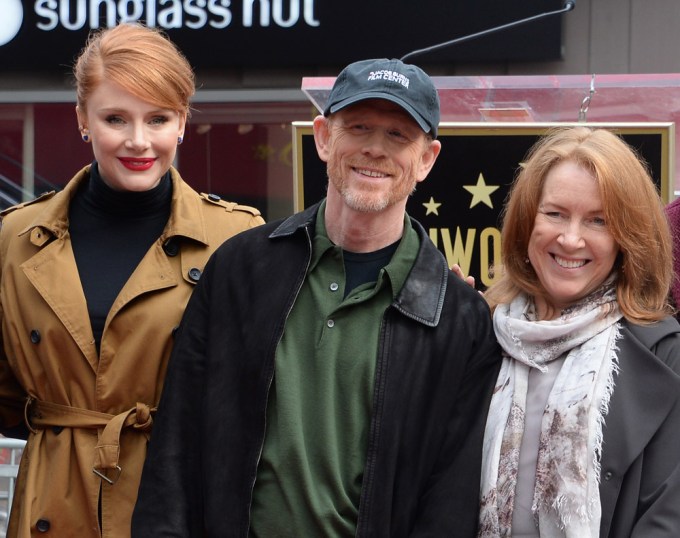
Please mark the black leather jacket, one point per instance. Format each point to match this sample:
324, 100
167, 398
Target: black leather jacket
436, 367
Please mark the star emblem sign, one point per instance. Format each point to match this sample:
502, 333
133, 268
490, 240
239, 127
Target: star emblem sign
432, 207
481, 193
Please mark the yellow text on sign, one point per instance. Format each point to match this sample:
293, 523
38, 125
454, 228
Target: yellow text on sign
460, 251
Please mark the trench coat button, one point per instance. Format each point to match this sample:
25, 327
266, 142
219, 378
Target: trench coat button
171, 247
214, 197
42, 525
334, 286
608, 475
330, 323
194, 274
35, 336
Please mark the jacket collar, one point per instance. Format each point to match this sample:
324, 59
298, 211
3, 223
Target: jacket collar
296, 222
422, 296
54, 217
186, 217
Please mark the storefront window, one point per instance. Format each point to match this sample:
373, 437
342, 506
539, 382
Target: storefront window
11, 147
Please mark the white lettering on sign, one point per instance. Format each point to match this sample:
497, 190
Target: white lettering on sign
169, 14
386, 74
275, 10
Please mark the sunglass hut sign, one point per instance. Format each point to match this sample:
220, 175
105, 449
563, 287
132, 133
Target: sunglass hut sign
168, 14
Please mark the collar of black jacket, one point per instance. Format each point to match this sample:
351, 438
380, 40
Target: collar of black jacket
422, 296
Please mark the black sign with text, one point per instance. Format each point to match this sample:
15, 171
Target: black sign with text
45, 35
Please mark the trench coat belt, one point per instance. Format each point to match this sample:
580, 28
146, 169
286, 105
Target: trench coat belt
39, 414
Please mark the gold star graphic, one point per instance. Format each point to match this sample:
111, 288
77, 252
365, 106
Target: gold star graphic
480, 192
432, 207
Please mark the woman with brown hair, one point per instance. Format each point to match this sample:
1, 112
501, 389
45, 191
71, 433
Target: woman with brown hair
584, 426
93, 281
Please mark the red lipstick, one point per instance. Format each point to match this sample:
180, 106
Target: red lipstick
137, 164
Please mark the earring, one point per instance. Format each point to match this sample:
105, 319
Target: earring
86, 138
83, 133
179, 140
527, 260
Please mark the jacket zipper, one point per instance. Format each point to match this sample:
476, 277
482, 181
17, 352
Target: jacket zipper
271, 374
374, 432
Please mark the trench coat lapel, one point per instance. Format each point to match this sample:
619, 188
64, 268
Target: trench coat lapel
153, 273
53, 273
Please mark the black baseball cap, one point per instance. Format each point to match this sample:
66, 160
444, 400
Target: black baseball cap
404, 84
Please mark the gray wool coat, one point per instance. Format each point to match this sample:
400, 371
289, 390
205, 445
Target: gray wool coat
640, 476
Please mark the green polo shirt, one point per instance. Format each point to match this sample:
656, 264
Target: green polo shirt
319, 408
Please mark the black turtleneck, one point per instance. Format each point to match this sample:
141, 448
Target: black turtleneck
111, 231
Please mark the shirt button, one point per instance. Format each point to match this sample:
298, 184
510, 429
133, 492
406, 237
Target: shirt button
334, 286
608, 475
330, 323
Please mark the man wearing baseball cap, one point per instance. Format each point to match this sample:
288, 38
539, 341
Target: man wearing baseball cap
331, 376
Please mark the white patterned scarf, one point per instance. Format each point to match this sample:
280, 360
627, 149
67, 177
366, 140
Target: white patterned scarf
566, 496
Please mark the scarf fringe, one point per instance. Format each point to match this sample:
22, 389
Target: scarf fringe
585, 514
566, 496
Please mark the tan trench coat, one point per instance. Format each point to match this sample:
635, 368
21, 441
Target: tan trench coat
91, 415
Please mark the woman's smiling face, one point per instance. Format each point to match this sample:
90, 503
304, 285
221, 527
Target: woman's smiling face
570, 248
134, 141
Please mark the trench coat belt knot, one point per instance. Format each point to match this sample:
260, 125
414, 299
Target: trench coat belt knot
39, 414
